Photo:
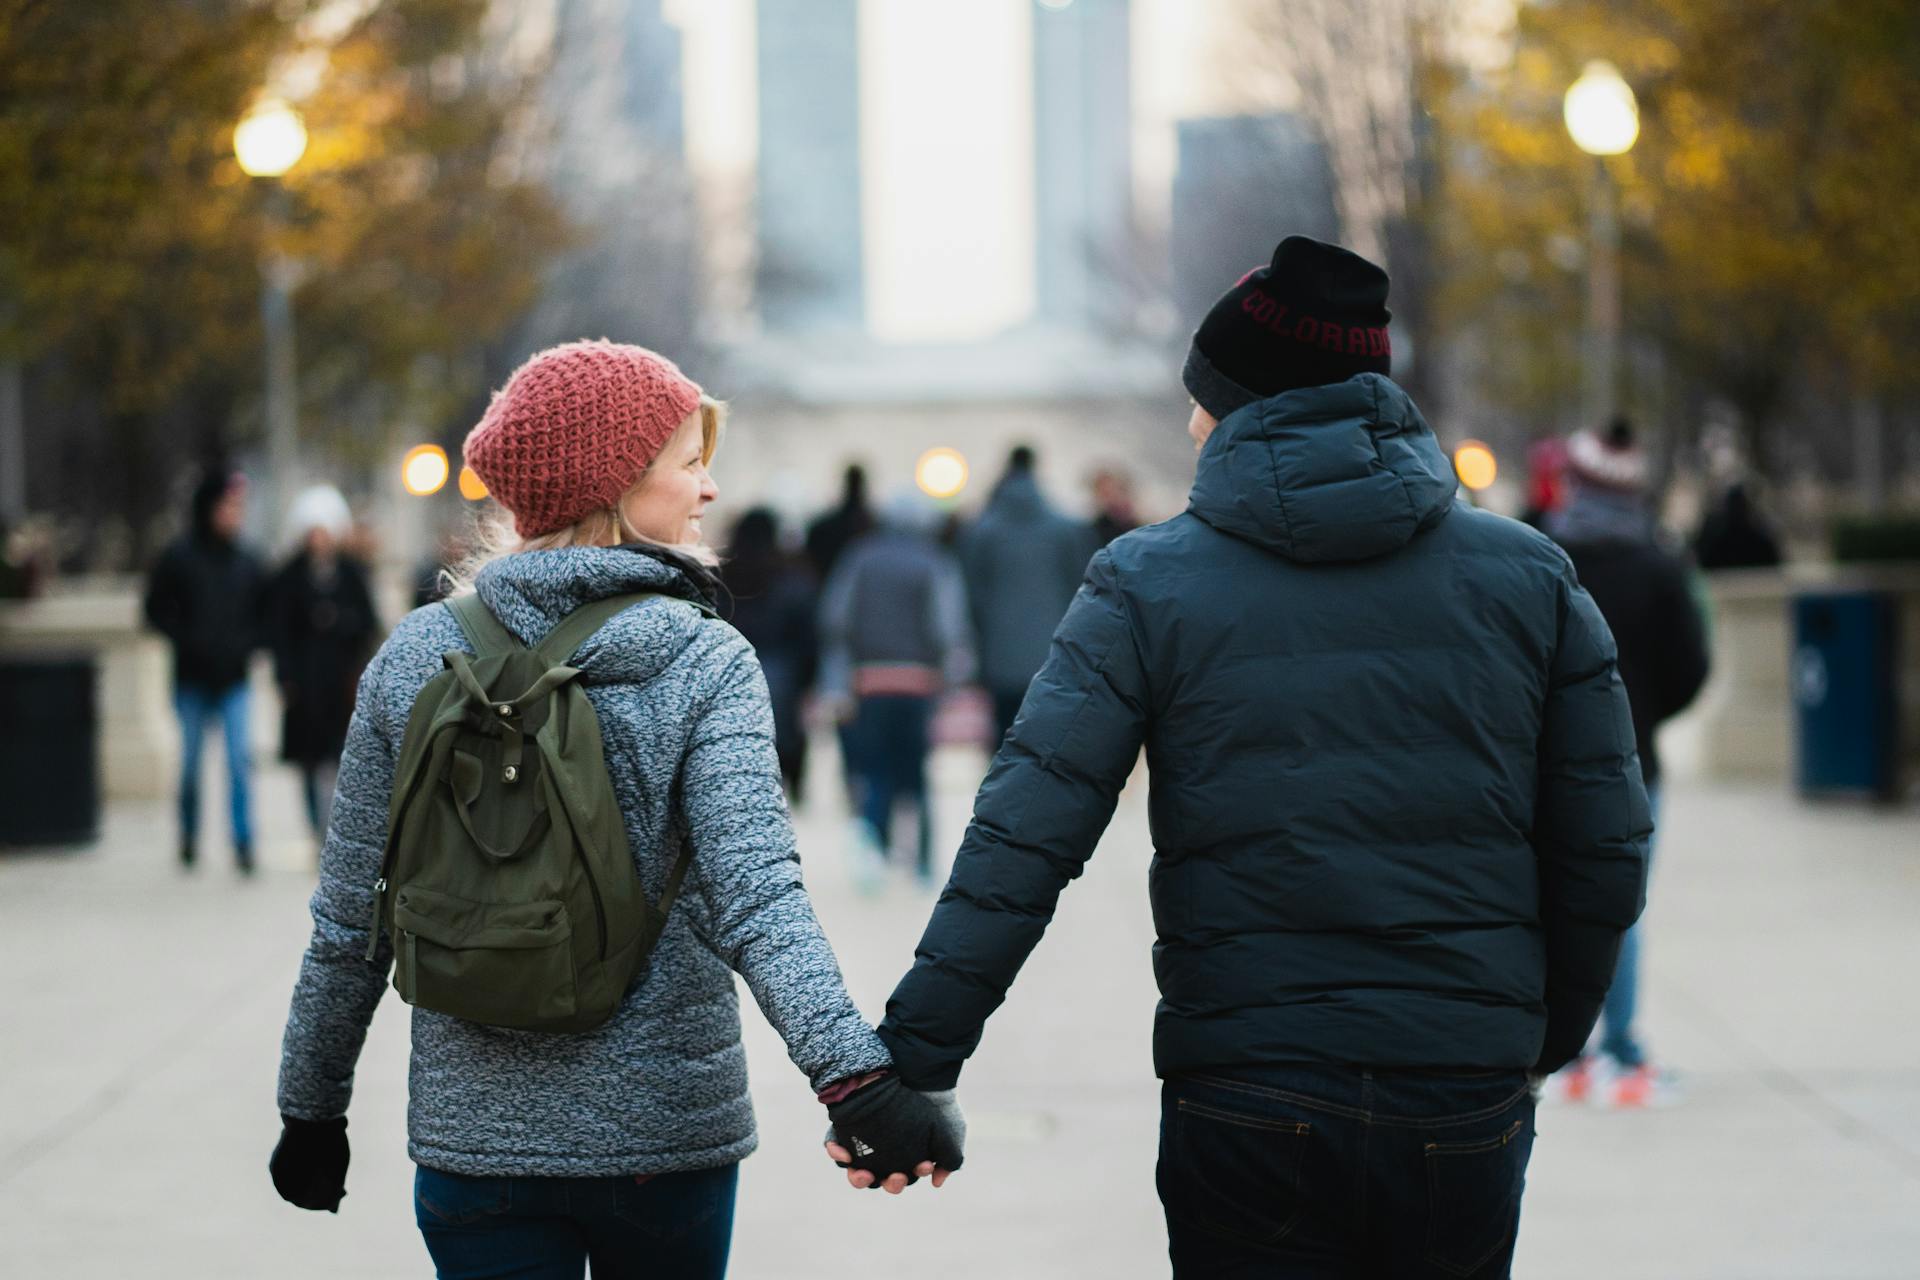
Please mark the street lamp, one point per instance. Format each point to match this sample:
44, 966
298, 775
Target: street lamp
1603, 120
268, 142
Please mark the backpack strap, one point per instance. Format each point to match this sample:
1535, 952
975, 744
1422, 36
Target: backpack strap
486, 633
578, 627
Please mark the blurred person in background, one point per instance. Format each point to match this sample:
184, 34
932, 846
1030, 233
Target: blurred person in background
1398, 824
1734, 535
774, 600
1114, 509
831, 534
894, 635
1645, 593
1546, 481
538, 1152
15, 582
207, 595
1023, 561
321, 626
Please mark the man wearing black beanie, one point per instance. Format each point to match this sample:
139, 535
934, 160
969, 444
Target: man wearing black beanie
1398, 820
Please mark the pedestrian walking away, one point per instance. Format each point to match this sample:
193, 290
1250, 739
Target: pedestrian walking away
322, 626
829, 536
1113, 504
575, 759
1023, 562
1398, 822
1645, 593
1734, 535
774, 597
893, 635
206, 595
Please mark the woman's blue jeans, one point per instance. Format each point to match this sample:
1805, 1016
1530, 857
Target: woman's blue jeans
675, 1224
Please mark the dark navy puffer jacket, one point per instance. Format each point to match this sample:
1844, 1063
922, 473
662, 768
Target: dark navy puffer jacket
1396, 810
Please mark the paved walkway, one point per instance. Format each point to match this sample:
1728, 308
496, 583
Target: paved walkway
140, 1016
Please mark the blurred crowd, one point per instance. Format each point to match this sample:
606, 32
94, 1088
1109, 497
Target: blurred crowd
896, 626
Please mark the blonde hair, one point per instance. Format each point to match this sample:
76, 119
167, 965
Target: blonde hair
493, 536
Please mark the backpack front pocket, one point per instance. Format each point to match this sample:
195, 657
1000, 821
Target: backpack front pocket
506, 964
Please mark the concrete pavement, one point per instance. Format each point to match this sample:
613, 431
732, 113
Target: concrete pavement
143, 1008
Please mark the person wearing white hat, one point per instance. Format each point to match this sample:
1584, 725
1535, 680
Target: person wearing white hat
322, 626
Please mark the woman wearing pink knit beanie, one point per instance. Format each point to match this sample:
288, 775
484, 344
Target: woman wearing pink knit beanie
570, 445
539, 1151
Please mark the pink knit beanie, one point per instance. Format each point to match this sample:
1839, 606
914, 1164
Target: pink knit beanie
574, 428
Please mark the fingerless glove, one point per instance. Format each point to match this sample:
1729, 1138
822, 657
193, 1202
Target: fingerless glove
890, 1129
309, 1164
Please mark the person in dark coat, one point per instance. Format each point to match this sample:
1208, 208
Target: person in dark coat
893, 635
774, 600
1645, 593
206, 596
1735, 536
322, 626
1398, 822
830, 535
1023, 560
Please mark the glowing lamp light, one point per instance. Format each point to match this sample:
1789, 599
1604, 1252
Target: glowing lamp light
1476, 466
424, 470
270, 140
472, 487
941, 473
1601, 113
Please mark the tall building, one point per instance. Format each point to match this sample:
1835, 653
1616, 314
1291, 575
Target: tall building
1083, 140
810, 275
612, 107
1243, 184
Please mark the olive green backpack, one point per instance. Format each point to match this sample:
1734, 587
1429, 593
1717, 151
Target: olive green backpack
507, 886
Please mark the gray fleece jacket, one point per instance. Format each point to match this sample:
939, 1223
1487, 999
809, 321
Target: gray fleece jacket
688, 731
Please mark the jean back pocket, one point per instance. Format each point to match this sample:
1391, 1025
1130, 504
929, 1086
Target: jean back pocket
1473, 1190
1232, 1172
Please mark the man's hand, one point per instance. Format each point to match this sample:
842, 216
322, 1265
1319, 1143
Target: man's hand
888, 1136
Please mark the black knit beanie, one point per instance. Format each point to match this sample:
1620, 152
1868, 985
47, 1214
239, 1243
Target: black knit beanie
1317, 315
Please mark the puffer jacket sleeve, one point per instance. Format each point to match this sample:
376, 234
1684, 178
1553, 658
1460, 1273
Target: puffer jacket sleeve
760, 920
1039, 813
1591, 824
333, 1001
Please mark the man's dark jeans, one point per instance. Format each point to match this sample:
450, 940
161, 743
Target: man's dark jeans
677, 1224
1308, 1171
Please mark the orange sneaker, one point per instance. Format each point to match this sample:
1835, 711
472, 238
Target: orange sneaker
1572, 1084
1642, 1087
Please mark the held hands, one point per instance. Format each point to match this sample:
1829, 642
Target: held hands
309, 1164
888, 1136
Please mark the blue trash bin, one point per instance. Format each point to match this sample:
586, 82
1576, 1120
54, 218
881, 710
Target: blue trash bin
1846, 693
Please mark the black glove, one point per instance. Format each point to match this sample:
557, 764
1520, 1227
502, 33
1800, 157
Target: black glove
309, 1164
890, 1129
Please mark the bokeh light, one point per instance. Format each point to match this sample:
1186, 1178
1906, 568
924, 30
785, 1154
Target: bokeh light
424, 470
941, 473
1601, 113
1476, 466
472, 487
270, 140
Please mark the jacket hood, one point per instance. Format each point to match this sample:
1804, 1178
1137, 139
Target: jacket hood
531, 591
1018, 495
1336, 473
